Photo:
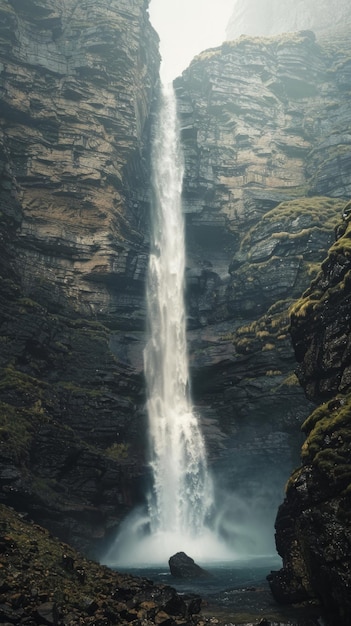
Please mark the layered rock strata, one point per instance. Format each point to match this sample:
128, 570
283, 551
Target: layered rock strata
77, 82
313, 524
264, 127
267, 153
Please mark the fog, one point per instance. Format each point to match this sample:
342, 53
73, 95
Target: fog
272, 17
186, 28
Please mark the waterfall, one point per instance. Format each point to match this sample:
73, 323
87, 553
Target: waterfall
181, 497
182, 492
180, 512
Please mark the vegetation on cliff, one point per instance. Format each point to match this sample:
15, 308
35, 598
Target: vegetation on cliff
273, 192
314, 523
254, 114
265, 129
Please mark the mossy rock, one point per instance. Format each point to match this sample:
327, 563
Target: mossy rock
271, 328
320, 289
327, 448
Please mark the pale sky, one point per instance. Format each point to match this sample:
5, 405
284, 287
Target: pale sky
187, 27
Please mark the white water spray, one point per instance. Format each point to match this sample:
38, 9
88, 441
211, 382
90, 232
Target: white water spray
182, 494
181, 498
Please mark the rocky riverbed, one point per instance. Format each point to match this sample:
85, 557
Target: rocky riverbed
44, 582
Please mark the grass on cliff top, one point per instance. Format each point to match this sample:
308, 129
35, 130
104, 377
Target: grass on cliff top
247, 40
323, 213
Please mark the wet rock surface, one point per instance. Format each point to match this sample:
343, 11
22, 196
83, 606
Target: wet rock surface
265, 129
183, 566
313, 523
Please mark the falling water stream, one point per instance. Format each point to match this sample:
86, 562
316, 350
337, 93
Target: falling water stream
182, 493
180, 501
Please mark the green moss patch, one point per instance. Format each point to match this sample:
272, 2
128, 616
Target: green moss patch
288, 219
268, 332
327, 286
328, 444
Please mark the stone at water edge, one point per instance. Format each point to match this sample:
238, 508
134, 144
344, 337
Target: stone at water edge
183, 566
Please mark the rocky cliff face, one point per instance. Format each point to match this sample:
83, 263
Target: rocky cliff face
77, 81
265, 129
313, 523
267, 151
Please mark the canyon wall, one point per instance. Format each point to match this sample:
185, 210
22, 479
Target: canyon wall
77, 82
313, 531
265, 129
313, 523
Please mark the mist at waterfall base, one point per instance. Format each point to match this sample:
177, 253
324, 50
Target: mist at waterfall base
184, 510
239, 531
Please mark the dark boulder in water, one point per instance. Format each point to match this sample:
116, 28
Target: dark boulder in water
183, 566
